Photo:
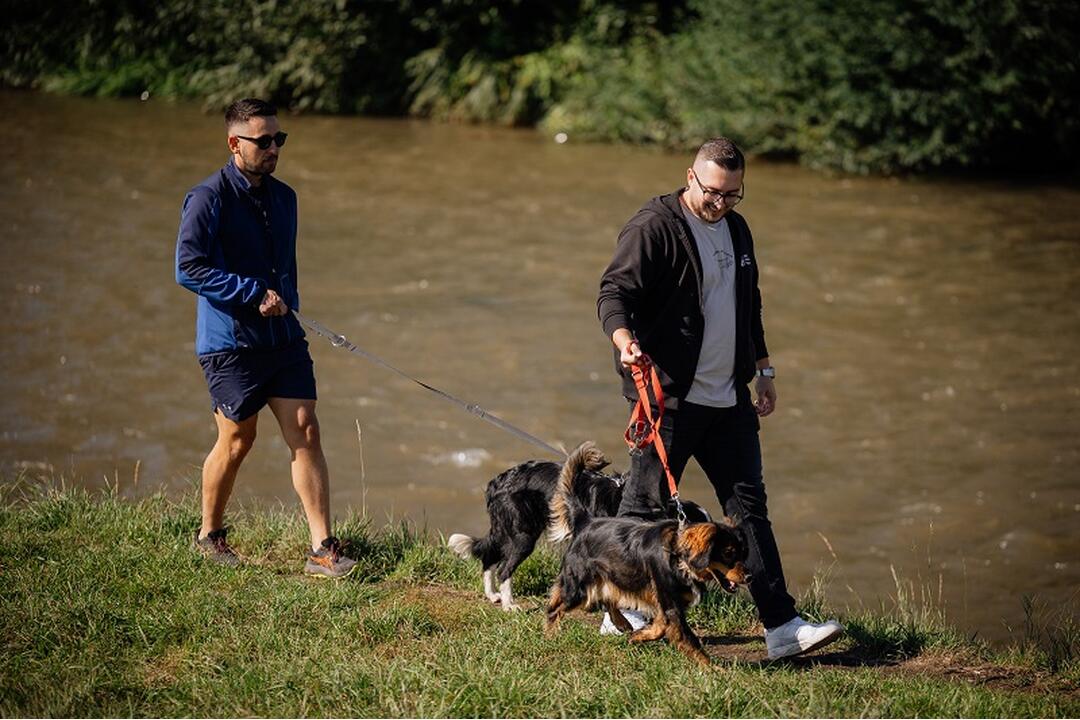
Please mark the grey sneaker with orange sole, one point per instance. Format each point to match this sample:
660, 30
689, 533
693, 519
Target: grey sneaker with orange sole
328, 561
215, 547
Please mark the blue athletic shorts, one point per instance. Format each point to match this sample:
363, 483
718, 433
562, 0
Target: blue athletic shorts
241, 381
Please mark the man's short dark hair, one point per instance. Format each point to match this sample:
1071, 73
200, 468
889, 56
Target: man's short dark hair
723, 152
243, 110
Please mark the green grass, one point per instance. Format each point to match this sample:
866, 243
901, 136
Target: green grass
105, 610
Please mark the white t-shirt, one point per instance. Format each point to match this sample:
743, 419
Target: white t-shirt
714, 380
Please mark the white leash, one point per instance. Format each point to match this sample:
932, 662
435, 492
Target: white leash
342, 342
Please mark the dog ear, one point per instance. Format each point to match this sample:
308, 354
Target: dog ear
695, 544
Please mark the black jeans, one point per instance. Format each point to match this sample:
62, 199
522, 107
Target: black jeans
725, 443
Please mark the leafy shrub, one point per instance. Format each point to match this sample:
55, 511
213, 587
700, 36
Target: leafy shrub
862, 86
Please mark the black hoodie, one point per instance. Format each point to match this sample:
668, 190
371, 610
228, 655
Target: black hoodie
653, 289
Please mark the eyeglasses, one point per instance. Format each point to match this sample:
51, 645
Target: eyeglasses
263, 141
731, 199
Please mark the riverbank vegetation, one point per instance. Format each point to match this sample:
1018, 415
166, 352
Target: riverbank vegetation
106, 610
879, 86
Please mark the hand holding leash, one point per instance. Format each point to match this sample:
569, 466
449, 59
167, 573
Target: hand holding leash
630, 354
644, 427
272, 305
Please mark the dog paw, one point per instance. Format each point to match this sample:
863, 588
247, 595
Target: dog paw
512, 607
649, 633
494, 599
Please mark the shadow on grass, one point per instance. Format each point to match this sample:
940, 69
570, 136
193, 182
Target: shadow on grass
750, 649
728, 640
853, 658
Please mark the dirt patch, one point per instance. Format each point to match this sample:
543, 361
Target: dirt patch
997, 677
743, 648
956, 667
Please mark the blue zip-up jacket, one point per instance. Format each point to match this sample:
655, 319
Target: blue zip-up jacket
236, 242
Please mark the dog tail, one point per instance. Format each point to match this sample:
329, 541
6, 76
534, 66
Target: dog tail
461, 545
568, 513
466, 547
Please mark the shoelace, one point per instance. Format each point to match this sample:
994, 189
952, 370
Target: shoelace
221, 544
217, 538
333, 546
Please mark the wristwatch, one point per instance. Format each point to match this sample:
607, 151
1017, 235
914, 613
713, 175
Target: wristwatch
769, 372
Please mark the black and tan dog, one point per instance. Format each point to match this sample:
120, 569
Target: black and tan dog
658, 568
518, 505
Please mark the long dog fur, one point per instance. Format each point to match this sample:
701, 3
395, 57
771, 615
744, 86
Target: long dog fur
658, 567
519, 506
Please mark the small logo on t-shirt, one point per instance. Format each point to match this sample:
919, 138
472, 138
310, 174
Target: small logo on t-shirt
745, 261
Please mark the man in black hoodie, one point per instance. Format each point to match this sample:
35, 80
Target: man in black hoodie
682, 290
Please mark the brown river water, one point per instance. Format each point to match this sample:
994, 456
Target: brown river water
926, 335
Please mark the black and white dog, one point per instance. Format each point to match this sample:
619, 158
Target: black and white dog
519, 509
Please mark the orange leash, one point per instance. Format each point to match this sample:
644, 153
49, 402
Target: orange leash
644, 429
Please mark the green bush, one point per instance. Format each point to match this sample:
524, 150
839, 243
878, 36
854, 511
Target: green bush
862, 86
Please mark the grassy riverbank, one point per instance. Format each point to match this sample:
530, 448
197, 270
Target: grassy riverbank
105, 610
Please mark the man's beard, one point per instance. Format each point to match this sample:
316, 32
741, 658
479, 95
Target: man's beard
712, 213
266, 167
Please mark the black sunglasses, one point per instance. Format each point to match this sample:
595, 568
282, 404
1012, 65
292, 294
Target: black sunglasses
263, 141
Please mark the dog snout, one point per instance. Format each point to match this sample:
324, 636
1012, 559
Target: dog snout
738, 574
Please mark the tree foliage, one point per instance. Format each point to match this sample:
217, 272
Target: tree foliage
862, 86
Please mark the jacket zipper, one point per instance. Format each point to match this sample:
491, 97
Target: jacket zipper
680, 224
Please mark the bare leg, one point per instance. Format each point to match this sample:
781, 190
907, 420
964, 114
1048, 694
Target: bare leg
310, 475
234, 440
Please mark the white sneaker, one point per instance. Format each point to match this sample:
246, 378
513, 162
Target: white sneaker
797, 636
636, 620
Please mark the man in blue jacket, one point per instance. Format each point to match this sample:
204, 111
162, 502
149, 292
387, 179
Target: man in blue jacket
682, 289
236, 250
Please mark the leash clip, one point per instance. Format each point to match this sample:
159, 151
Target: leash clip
680, 513
338, 340
640, 432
